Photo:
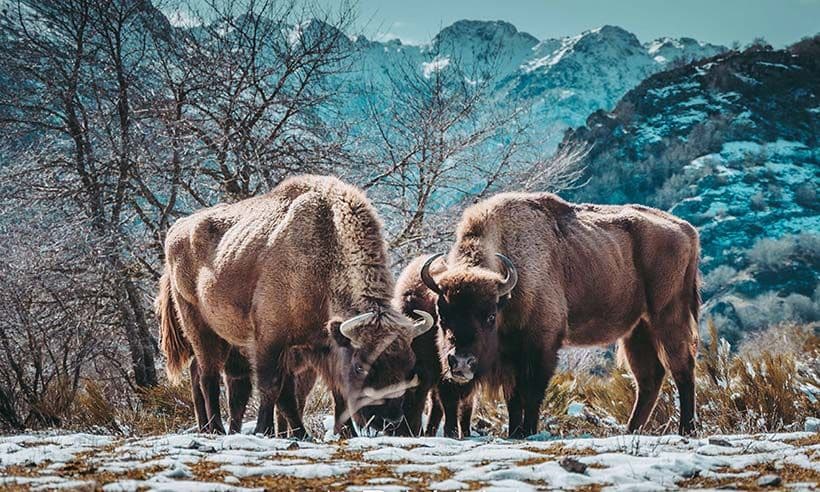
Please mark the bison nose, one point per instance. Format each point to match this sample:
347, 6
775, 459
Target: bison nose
470, 361
452, 361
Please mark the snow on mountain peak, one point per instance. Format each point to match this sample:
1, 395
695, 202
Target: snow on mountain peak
438, 63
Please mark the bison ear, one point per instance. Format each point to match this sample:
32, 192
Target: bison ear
334, 329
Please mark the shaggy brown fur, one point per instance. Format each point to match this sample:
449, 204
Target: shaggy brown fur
280, 271
236, 372
587, 275
450, 400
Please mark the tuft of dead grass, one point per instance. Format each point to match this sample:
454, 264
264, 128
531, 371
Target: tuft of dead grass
156, 410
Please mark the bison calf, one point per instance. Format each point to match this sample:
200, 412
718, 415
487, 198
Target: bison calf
449, 399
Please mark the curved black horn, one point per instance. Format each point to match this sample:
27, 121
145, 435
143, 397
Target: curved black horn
512, 276
425, 274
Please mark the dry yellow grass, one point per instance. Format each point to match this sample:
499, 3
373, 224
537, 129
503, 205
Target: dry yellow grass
760, 388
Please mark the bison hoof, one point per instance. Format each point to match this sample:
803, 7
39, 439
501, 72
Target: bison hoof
266, 431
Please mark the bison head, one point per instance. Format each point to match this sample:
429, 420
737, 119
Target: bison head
469, 301
372, 364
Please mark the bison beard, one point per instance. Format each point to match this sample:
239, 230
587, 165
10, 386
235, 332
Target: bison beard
589, 275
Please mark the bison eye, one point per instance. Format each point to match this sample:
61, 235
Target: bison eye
490, 321
358, 368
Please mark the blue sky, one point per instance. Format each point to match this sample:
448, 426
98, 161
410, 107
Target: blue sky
781, 22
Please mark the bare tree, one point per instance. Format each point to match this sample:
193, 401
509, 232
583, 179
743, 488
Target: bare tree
259, 77
57, 50
442, 139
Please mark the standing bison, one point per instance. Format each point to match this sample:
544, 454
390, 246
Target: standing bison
570, 275
298, 274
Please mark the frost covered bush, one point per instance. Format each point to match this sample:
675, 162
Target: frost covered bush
758, 201
808, 247
673, 190
718, 278
805, 195
769, 309
771, 253
585, 360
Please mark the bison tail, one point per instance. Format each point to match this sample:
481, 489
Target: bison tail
172, 341
693, 279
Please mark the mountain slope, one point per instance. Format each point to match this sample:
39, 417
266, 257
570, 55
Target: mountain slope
594, 69
729, 143
566, 79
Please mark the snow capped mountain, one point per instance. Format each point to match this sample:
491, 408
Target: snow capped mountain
566, 79
665, 50
481, 42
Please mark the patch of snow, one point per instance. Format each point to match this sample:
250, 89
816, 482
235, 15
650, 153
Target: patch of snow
575, 409
438, 63
627, 462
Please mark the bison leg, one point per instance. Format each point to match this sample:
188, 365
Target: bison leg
450, 400
305, 380
648, 371
198, 399
675, 329
533, 398
532, 380
210, 352
209, 385
466, 415
297, 388
414, 402
283, 428
436, 414
238, 379
685, 381
343, 425
515, 414
288, 407
269, 380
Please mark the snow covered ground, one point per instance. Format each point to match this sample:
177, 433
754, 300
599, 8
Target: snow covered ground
239, 462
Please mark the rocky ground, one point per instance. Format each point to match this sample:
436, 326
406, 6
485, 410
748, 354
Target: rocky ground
200, 462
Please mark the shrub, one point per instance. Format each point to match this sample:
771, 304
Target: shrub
156, 410
769, 309
770, 254
805, 195
758, 201
808, 247
717, 279
673, 190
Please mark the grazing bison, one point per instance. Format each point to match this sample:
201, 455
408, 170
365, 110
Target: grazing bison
571, 275
449, 399
296, 275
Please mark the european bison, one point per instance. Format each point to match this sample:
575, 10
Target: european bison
275, 276
452, 400
572, 275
